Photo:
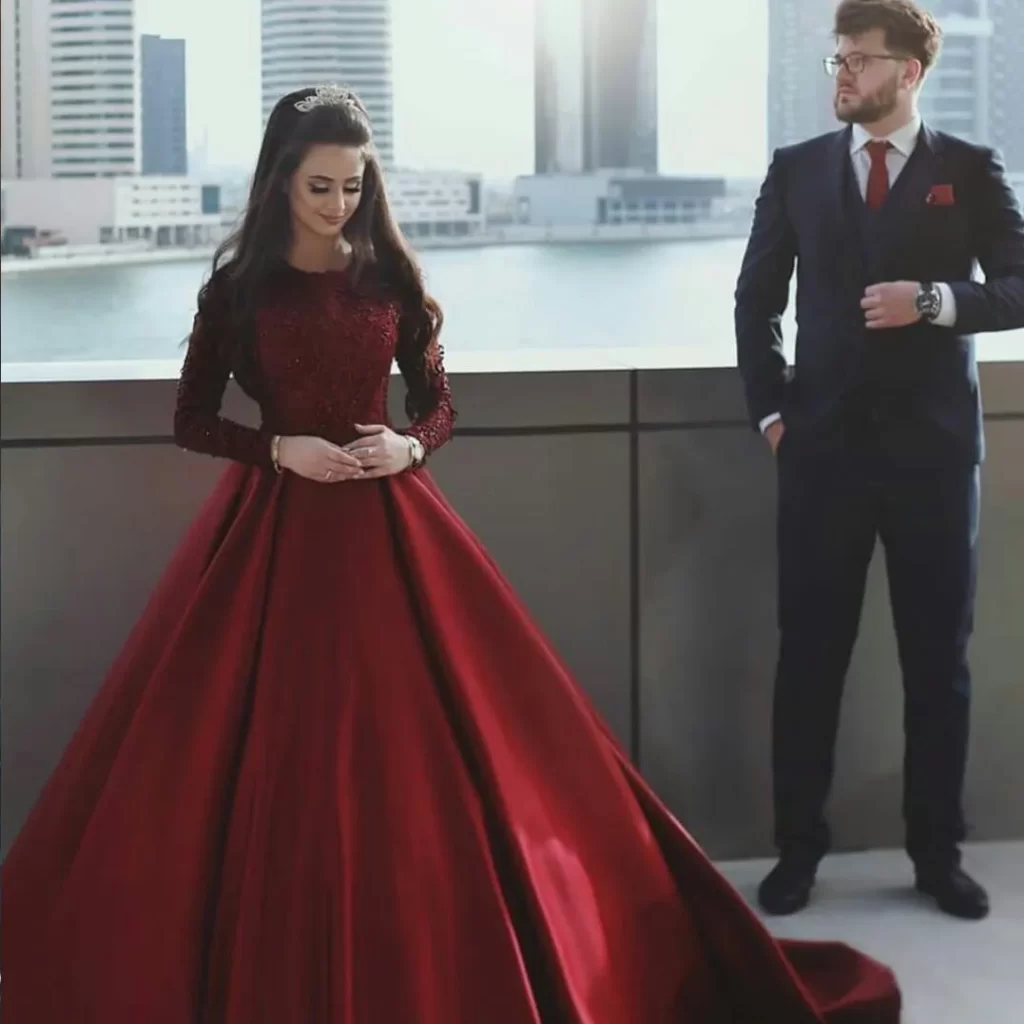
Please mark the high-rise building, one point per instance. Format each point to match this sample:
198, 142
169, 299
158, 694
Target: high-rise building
957, 91
799, 91
69, 73
975, 91
10, 89
596, 90
559, 87
164, 124
347, 42
1006, 81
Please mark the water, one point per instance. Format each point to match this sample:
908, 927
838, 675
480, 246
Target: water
676, 294
500, 298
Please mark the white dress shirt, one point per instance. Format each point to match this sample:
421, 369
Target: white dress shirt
902, 143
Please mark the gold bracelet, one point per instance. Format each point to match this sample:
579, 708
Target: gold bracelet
275, 452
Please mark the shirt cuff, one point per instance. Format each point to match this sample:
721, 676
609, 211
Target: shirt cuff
769, 420
947, 311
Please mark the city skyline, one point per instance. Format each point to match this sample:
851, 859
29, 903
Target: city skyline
70, 103
974, 92
163, 105
477, 110
595, 85
463, 83
334, 41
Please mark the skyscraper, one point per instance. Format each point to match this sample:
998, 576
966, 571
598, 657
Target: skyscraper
347, 42
596, 88
799, 91
1006, 89
975, 91
68, 71
977, 88
164, 124
956, 94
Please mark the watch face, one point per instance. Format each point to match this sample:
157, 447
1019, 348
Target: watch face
928, 303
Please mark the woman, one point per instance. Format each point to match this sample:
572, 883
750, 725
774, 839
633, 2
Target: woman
336, 775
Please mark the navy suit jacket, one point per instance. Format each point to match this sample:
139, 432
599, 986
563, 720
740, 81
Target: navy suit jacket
917, 385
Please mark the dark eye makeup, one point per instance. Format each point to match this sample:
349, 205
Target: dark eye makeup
319, 188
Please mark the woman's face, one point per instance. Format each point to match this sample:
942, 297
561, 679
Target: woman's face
326, 188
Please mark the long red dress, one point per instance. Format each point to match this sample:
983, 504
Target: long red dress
337, 776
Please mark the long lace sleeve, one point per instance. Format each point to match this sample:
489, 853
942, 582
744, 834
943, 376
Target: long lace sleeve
198, 425
428, 401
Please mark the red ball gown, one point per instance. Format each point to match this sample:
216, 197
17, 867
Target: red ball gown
337, 775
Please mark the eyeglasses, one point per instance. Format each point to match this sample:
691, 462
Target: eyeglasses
855, 63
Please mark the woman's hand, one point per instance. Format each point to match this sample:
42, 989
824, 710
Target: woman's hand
319, 460
380, 451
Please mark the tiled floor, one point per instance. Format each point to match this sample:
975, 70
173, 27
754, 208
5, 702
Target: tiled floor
951, 972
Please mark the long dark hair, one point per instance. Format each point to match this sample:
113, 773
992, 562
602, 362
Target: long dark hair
381, 258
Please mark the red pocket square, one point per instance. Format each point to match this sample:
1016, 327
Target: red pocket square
941, 195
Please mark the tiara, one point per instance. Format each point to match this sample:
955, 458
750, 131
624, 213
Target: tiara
328, 96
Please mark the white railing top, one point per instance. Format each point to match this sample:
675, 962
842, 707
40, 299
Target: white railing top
992, 348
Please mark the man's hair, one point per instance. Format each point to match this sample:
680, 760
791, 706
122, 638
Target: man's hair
910, 30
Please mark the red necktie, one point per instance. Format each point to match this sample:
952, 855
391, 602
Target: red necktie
878, 179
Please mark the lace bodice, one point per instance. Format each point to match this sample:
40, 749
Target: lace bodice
322, 363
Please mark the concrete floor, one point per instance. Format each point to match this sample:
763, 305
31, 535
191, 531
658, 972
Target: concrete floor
951, 972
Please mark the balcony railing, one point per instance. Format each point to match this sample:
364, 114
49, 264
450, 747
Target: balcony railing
629, 504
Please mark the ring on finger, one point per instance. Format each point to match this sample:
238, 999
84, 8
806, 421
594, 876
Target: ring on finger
328, 475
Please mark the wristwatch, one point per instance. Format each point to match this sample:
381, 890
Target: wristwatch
417, 455
929, 301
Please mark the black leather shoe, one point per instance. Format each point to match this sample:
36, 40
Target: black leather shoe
787, 887
955, 892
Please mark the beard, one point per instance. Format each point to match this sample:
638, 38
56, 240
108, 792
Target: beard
868, 109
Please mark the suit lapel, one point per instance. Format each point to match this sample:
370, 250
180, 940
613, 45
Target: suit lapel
847, 226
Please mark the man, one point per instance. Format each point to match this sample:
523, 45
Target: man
877, 430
